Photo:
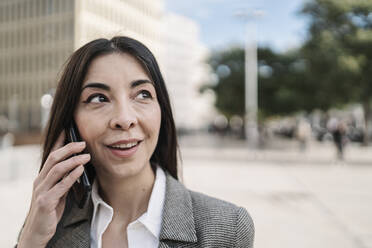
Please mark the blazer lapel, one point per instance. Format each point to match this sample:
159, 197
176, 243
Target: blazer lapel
75, 227
178, 219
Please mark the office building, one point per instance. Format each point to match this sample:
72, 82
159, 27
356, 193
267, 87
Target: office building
185, 71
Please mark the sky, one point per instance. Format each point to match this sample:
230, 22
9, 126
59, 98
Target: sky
278, 23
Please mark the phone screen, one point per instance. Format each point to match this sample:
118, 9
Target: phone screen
82, 187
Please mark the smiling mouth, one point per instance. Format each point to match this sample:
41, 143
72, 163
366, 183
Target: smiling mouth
124, 147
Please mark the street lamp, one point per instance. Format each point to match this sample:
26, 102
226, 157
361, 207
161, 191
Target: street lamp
46, 102
251, 103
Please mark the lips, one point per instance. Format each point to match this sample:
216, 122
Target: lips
124, 148
124, 145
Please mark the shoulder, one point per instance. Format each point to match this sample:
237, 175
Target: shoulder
223, 218
217, 223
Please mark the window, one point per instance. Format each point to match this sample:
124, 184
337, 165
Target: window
49, 6
6, 13
2, 13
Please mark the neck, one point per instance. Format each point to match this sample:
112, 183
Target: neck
128, 197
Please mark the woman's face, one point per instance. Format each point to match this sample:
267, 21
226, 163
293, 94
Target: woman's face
118, 115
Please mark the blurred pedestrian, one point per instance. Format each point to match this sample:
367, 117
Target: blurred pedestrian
303, 133
338, 130
339, 137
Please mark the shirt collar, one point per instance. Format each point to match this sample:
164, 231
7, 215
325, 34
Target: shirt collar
96, 198
152, 218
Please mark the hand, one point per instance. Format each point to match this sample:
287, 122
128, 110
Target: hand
50, 189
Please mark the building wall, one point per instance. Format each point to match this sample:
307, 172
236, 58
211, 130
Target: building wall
140, 19
35, 40
185, 71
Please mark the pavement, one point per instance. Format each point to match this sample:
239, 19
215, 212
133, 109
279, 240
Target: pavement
296, 198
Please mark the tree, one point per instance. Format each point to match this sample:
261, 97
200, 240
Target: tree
282, 85
228, 66
282, 88
339, 50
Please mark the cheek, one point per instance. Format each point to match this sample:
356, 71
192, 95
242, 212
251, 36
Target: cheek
151, 120
89, 127
155, 121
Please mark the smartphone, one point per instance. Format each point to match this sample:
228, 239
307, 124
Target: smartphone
82, 187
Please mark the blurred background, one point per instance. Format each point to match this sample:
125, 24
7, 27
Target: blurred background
272, 101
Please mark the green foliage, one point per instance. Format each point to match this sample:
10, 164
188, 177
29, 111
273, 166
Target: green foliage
229, 68
332, 68
281, 82
339, 48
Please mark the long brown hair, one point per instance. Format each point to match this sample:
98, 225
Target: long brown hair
69, 90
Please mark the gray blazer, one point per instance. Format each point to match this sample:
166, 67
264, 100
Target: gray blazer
190, 219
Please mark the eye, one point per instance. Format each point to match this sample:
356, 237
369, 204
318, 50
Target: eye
144, 94
96, 98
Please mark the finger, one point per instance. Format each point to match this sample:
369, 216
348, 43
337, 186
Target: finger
58, 144
49, 200
61, 188
60, 141
61, 154
61, 169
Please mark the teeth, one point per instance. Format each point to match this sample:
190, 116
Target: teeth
128, 145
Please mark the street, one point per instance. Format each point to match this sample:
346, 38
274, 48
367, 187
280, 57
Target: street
296, 198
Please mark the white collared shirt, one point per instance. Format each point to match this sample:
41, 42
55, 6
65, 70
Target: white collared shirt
143, 232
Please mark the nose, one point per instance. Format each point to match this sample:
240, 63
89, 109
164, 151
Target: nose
124, 117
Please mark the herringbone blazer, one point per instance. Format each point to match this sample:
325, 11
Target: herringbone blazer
190, 220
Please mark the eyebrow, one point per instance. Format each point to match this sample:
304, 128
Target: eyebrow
107, 88
140, 81
97, 85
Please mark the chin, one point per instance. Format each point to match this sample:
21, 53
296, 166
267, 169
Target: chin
122, 170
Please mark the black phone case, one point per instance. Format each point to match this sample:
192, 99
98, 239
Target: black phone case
81, 188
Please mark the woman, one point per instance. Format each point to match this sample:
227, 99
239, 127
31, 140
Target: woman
114, 92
